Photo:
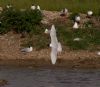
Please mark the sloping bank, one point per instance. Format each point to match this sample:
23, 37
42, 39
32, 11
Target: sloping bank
10, 55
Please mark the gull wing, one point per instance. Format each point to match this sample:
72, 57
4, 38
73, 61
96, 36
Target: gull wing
59, 49
54, 41
53, 45
53, 55
25, 50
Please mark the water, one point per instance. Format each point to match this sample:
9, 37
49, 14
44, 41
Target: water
50, 77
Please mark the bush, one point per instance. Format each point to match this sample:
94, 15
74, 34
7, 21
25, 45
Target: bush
18, 21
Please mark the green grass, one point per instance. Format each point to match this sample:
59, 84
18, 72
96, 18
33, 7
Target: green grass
90, 38
72, 5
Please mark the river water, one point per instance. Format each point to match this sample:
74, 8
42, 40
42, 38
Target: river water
50, 77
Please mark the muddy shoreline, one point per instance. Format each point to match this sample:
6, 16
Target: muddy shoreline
86, 63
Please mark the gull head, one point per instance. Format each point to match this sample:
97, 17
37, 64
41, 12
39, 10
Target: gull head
53, 28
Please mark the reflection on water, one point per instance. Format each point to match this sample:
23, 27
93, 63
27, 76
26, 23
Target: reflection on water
25, 77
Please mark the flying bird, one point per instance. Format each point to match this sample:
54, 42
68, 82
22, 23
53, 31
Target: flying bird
55, 45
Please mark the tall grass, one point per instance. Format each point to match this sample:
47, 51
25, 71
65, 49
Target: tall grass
72, 5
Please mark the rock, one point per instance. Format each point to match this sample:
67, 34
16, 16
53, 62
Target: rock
3, 82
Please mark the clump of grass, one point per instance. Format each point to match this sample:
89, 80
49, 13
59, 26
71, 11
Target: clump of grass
88, 24
88, 36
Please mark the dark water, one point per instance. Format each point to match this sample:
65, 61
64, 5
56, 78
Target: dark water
25, 77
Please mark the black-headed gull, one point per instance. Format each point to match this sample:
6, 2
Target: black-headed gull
27, 49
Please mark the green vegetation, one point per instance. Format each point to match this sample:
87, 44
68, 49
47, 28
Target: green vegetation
29, 21
72, 5
89, 38
19, 21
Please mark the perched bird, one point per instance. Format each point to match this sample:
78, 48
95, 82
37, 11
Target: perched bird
98, 53
9, 6
89, 13
64, 12
33, 7
1, 9
28, 49
38, 7
55, 45
75, 26
77, 18
46, 31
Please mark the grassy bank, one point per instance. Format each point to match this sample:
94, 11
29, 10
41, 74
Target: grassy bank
29, 22
72, 5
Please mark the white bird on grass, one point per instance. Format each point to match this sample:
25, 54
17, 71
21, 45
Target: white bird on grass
46, 31
89, 13
33, 7
55, 45
75, 26
28, 49
38, 7
77, 18
66, 11
9, 6
98, 53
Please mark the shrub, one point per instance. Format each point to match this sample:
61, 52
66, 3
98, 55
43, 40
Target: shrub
18, 21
